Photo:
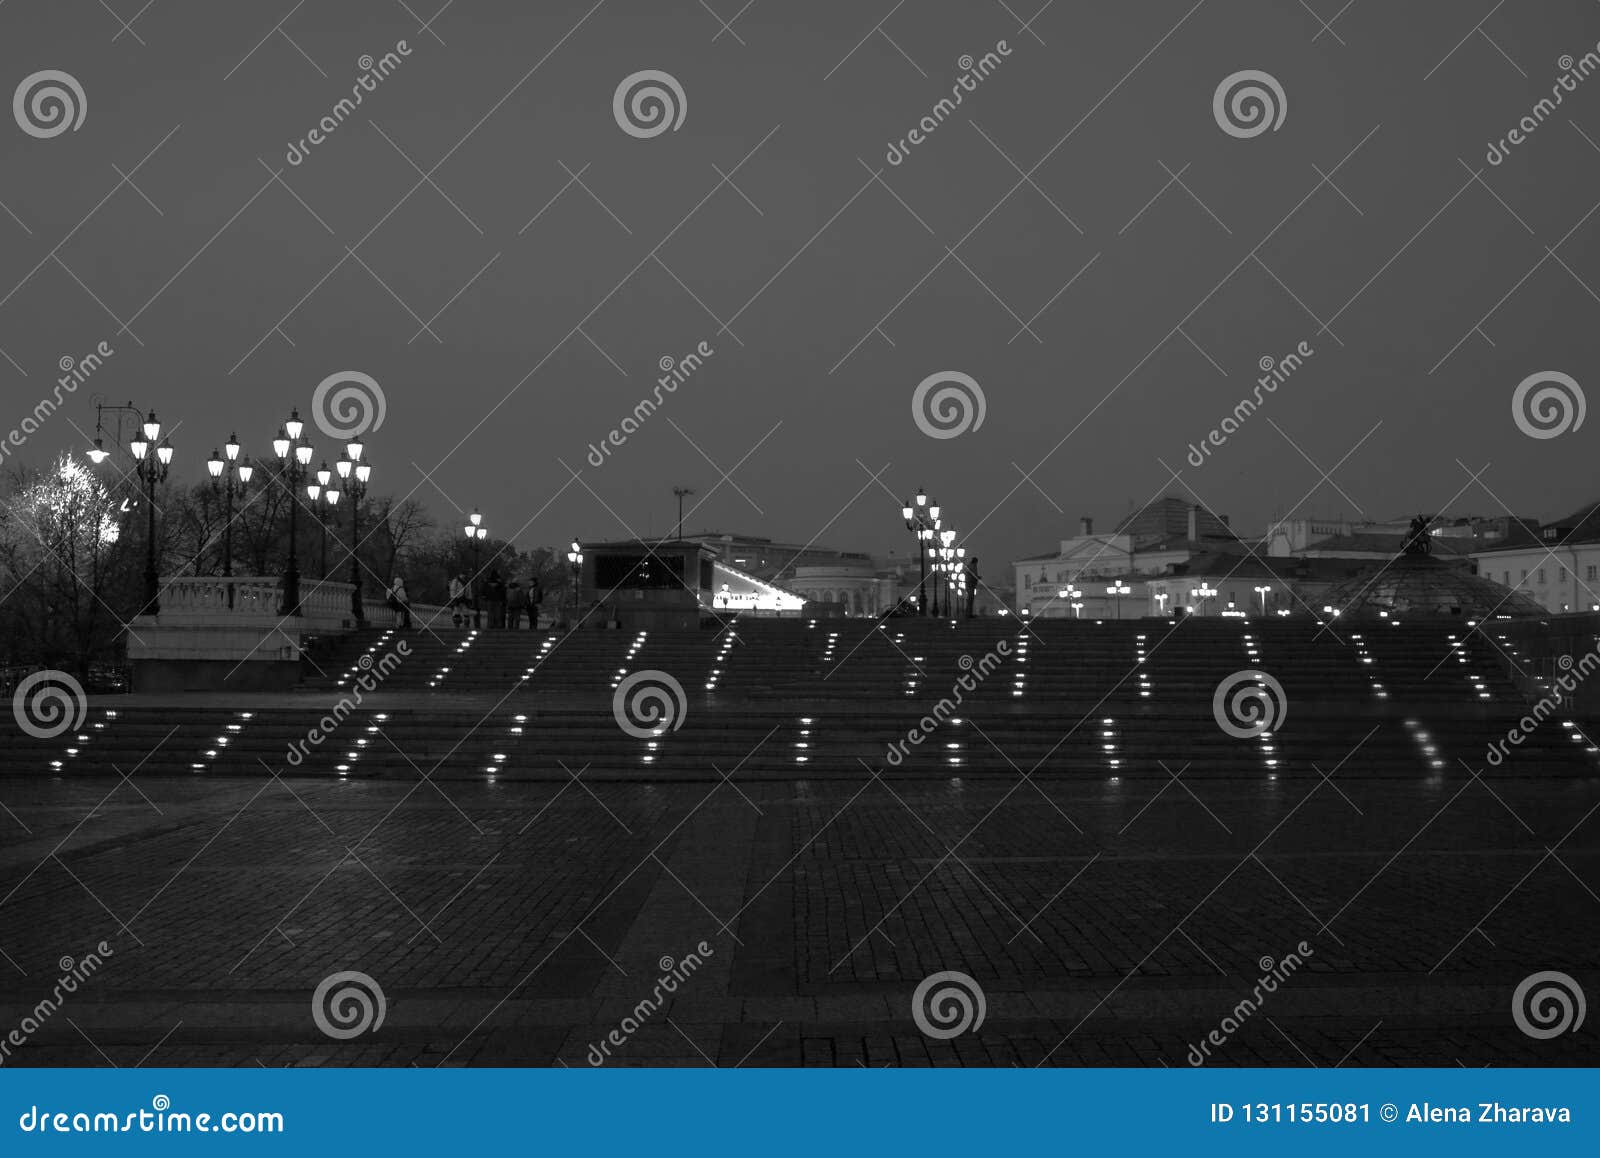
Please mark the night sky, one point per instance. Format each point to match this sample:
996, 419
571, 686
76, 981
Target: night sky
555, 259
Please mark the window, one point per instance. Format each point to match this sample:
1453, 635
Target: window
1541, 574
1524, 575
1589, 573
1505, 578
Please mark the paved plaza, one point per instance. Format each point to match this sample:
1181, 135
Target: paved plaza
1107, 920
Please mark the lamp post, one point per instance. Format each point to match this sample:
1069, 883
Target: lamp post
947, 537
1071, 594
575, 565
322, 497
681, 492
353, 476
922, 520
1264, 591
98, 452
229, 476
295, 457
1161, 598
1119, 589
1202, 593
476, 534
151, 462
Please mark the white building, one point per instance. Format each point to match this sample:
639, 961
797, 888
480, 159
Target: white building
1556, 564
1101, 576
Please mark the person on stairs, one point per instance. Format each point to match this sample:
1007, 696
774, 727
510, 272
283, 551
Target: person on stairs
516, 604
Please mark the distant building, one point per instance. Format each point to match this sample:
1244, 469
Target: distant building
839, 582
1152, 541
1557, 564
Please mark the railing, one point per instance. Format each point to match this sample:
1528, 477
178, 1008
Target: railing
324, 604
210, 594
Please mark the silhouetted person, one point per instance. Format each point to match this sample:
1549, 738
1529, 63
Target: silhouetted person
399, 601
460, 612
516, 604
494, 593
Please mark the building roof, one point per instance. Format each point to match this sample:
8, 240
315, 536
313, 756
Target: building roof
1422, 585
1168, 518
1386, 544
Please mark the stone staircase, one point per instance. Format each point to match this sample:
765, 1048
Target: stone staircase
802, 699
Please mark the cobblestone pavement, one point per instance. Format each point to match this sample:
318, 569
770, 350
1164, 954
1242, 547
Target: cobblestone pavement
1112, 922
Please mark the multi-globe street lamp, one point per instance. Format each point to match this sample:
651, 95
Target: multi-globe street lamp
295, 457
575, 565
353, 476
322, 496
922, 520
230, 475
1070, 593
1118, 590
1202, 593
1264, 590
151, 463
946, 555
476, 534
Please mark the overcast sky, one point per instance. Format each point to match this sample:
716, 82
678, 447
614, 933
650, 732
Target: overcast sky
814, 273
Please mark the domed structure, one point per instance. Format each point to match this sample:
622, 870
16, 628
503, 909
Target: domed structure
1414, 585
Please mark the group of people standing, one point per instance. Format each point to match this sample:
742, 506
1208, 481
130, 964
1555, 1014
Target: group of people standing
505, 603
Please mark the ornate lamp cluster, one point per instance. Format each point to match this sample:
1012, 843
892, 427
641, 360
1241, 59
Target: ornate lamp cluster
231, 473
936, 551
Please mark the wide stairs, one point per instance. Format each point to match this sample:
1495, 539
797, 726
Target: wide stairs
799, 699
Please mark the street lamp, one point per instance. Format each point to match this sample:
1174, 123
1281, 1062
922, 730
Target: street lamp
575, 564
151, 469
1119, 589
322, 497
353, 476
921, 520
1263, 591
1202, 593
294, 457
476, 534
229, 475
1069, 593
